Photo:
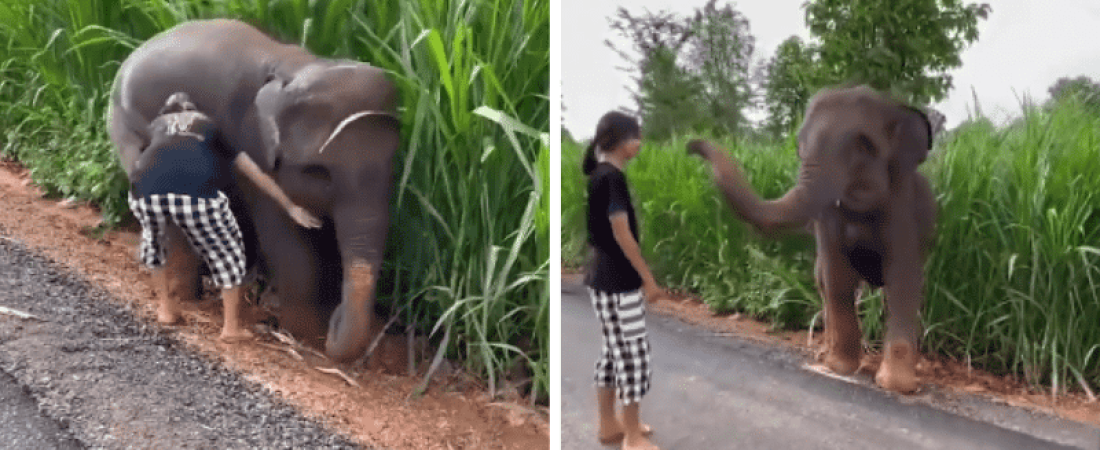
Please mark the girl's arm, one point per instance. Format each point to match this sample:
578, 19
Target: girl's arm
620, 228
246, 166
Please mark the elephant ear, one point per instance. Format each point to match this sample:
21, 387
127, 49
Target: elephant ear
271, 101
912, 136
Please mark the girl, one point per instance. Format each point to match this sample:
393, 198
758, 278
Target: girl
180, 177
619, 282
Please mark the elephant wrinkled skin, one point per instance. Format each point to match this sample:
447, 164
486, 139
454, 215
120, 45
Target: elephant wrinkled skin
871, 213
324, 130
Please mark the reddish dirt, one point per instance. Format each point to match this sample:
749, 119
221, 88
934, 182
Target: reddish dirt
456, 411
945, 374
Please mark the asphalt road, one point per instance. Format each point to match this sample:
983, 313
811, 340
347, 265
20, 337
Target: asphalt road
715, 392
84, 373
22, 425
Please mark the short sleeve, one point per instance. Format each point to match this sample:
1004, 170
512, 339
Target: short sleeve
618, 197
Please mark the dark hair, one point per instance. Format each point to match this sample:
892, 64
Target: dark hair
613, 128
177, 102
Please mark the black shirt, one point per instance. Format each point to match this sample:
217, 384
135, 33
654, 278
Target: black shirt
608, 194
184, 157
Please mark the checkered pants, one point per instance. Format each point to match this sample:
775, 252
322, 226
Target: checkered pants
208, 223
624, 360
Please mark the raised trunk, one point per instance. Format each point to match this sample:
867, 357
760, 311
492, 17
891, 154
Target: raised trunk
795, 209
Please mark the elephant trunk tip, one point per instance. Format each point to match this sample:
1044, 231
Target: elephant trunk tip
700, 147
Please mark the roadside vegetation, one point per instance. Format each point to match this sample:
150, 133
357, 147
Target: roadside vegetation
468, 247
1013, 277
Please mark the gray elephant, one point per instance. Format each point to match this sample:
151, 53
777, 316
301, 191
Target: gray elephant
325, 130
871, 213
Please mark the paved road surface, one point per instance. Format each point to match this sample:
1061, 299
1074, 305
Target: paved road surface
22, 425
713, 392
85, 373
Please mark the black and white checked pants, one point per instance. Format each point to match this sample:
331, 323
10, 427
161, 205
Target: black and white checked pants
624, 359
210, 227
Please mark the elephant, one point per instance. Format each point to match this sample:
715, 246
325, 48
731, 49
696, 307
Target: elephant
871, 213
325, 130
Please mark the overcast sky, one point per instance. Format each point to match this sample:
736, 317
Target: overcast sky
1022, 48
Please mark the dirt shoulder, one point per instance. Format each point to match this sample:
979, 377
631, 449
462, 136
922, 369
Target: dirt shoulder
946, 375
455, 412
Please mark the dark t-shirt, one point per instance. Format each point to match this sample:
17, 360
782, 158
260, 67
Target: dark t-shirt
186, 156
607, 194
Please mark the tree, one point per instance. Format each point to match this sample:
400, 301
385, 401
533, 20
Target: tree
903, 45
1082, 87
788, 84
692, 73
719, 53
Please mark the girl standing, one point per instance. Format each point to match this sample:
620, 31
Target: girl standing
619, 282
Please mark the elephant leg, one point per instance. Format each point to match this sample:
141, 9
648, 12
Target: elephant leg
837, 282
903, 293
293, 268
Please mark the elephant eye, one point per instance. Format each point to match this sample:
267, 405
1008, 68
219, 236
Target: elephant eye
317, 171
864, 144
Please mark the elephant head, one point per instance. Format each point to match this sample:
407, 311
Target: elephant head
330, 133
856, 148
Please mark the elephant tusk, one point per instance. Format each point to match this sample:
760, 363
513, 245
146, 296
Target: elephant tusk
349, 119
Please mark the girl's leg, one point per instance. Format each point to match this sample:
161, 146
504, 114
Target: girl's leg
632, 375
168, 308
232, 328
611, 430
213, 231
611, 365
152, 218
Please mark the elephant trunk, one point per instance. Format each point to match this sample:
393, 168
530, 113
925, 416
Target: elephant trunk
795, 209
361, 237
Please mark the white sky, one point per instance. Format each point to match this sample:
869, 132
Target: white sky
1022, 47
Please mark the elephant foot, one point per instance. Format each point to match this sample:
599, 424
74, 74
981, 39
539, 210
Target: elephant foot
840, 363
898, 371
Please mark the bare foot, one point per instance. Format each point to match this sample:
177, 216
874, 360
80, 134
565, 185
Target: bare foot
167, 316
642, 443
613, 434
234, 336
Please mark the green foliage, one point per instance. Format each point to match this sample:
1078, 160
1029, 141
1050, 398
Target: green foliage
692, 72
1013, 278
1082, 88
664, 97
468, 245
788, 79
904, 45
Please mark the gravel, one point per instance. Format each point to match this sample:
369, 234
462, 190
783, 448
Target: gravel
112, 381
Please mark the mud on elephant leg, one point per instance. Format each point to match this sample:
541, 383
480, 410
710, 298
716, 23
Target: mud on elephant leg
898, 371
350, 324
838, 281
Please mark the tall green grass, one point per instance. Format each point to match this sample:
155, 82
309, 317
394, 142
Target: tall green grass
468, 248
1013, 279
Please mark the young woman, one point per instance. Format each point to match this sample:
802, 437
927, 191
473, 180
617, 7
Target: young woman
180, 177
619, 282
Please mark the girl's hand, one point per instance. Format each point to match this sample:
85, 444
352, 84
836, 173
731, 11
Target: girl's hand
653, 292
303, 217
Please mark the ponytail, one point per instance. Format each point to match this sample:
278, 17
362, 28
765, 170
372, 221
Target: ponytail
589, 162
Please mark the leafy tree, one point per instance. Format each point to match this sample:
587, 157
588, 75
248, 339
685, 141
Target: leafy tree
692, 72
904, 45
1082, 87
719, 53
787, 80
668, 97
